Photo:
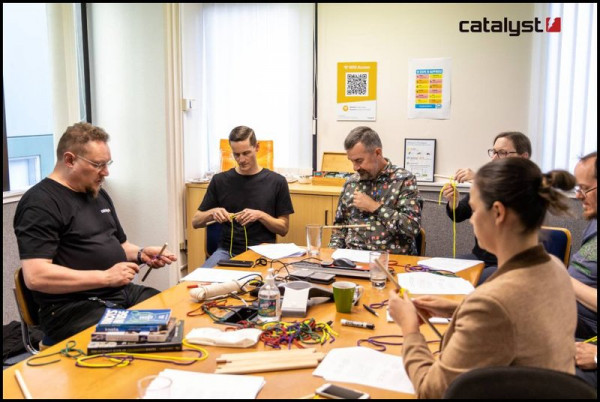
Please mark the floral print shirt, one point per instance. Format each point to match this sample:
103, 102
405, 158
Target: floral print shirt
392, 227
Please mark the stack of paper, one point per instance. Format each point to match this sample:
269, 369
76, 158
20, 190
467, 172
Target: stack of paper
352, 255
348, 365
217, 275
192, 385
426, 283
279, 250
448, 264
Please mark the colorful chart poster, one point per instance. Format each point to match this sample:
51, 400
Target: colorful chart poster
357, 91
429, 88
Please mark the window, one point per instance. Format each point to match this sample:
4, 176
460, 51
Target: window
248, 64
567, 122
35, 52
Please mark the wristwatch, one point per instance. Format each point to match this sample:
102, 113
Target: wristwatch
139, 256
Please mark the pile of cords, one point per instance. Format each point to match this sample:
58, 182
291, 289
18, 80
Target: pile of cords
308, 332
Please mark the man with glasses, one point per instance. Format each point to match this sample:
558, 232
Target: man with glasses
583, 269
75, 256
506, 145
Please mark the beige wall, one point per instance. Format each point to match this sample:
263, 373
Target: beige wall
490, 75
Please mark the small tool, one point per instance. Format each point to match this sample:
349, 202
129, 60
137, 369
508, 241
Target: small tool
162, 250
370, 310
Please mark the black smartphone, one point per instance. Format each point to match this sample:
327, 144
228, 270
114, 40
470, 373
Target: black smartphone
337, 392
237, 315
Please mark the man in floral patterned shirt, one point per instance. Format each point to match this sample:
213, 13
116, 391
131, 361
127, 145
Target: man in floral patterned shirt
379, 194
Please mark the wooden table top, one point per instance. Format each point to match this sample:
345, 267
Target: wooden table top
65, 380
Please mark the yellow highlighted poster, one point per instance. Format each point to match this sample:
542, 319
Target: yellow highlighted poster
357, 91
429, 88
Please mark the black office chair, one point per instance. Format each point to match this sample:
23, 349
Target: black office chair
420, 240
28, 310
557, 241
518, 383
213, 235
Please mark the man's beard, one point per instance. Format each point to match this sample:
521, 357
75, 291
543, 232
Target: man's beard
93, 191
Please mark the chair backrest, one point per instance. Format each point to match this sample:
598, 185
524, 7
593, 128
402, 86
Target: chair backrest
213, 235
518, 383
27, 306
420, 240
28, 310
264, 156
557, 241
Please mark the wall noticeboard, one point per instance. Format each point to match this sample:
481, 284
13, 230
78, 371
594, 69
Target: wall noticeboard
419, 158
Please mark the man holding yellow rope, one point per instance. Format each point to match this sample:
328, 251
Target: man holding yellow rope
251, 202
507, 144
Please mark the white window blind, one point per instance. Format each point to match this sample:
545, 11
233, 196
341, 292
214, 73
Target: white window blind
248, 64
567, 119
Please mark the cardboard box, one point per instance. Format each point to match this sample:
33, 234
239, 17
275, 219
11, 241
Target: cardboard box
336, 168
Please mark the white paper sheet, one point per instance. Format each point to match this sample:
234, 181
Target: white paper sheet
426, 283
216, 275
384, 371
448, 264
192, 385
353, 255
279, 250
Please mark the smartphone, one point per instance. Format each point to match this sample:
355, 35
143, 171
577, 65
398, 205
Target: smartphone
337, 392
237, 315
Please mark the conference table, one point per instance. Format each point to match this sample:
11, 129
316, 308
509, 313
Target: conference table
64, 380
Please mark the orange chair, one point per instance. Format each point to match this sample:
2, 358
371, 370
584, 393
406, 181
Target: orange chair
264, 156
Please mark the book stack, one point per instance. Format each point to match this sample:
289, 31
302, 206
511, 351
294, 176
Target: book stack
136, 331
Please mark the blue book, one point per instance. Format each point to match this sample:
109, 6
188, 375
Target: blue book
133, 320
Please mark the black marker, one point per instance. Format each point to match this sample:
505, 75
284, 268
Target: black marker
357, 324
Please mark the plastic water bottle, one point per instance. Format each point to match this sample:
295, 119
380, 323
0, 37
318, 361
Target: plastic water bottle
269, 300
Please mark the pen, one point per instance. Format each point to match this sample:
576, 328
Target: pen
400, 290
370, 310
154, 259
357, 324
192, 286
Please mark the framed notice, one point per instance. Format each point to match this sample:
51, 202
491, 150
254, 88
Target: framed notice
419, 158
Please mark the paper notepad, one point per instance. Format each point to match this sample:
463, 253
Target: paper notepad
352, 255
425, 283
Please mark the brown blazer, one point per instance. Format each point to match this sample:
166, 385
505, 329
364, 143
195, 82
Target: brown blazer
523, 315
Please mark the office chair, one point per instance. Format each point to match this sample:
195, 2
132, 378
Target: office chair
514, 382
557, 241
213, 235
420, 240
28, 310
264, 156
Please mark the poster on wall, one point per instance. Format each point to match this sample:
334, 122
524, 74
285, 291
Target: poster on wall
357, 91
419, 158
429, 88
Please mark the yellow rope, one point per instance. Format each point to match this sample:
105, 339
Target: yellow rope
452, 183
117, 357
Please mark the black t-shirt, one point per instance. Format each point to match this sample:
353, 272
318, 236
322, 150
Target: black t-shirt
71, 228
266, 191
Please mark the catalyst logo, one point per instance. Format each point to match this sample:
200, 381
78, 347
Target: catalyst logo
513, 28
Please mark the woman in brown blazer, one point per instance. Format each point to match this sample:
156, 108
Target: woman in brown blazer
524, 314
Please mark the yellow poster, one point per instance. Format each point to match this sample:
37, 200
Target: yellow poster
357, 91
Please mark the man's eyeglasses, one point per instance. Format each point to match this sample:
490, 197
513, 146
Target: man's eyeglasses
579, 190
501, 153
97, 165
